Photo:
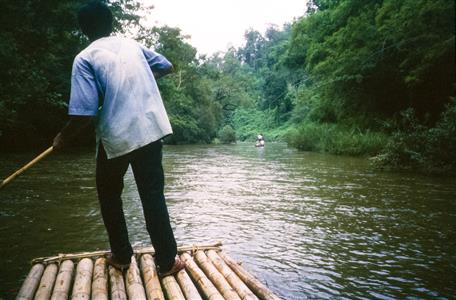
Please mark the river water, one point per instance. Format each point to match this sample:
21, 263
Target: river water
308, 225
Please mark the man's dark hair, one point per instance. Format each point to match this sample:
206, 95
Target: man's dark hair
95, 20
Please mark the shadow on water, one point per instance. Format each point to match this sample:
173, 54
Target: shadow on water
309, 225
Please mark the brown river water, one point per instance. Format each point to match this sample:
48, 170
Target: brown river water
310, 226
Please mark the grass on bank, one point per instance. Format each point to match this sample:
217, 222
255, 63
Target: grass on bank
408, 143
335, 139
307, 136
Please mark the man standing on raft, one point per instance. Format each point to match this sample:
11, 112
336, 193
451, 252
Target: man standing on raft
113, 83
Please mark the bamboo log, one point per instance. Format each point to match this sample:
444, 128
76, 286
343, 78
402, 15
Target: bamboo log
47, 282
63, 281
139, 251
135, 288
172, 289
214, 275
100, 280
83, 280
117, 284
26, 167
188, 288
254, 284
242, 290
150, 276
204, 284
31, 282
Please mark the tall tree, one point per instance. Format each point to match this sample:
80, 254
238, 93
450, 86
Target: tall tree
378, 56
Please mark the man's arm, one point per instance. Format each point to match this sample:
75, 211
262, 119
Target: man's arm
159, 65
83, 104
74, 126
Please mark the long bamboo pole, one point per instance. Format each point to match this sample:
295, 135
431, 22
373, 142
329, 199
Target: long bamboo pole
214, 275
31, 283
100, 280
27, 166
63, 281
47, 282
83, 280
171, 288
204, 284
187, 286
150, 276
149, 250
254, 284
117, 284
135, 288
237, 284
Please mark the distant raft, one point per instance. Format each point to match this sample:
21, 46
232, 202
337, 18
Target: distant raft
209, 274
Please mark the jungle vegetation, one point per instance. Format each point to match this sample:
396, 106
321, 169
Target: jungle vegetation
372, 77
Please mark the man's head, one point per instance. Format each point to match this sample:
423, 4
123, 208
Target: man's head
95, 20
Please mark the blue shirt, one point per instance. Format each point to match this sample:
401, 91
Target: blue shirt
112, 79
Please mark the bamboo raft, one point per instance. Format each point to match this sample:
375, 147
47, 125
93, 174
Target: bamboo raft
209, 274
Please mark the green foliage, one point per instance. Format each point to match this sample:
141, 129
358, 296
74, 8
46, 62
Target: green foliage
227, 135
364, 62
335, 139
187, 93
233, 85
378, 56
248, 123
418, 146
36, 48
264, 55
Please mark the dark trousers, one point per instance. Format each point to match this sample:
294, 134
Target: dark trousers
146, 163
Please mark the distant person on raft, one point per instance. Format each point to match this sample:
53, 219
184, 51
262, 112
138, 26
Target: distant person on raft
113, 83
260, 140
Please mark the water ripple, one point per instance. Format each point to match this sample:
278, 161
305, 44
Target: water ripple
310, 226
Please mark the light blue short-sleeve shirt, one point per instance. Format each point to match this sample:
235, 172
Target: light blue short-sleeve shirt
112, 79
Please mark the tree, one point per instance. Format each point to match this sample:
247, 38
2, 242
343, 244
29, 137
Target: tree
378, 56
194, 115
227, 135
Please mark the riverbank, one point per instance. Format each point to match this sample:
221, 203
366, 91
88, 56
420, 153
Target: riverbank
404, 143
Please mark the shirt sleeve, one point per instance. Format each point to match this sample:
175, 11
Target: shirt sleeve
84, 93
156, 61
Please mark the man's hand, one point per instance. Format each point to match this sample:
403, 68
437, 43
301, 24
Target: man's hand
58, 143
160, 73
70, 130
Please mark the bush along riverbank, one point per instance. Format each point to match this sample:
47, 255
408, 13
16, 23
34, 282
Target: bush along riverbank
404, 144
414, 145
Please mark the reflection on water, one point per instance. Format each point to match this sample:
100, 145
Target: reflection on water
309, 225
